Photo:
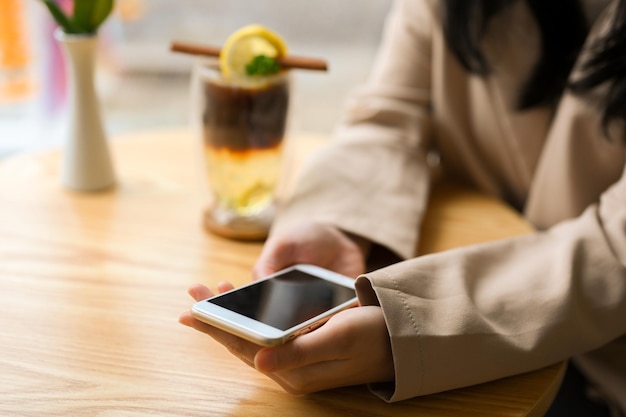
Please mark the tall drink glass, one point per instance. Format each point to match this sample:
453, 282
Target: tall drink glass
242, 124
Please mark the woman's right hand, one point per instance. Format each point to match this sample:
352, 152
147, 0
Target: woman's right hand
313, 243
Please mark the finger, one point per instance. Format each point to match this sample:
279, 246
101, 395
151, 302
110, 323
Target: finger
319, 345
241, 348
278, 253
265, 267
186, 319
199, 292
355, 350
335, 340
224, 286
317, 376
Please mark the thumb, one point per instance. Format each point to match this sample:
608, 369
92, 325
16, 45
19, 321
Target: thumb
317, 346
273, 258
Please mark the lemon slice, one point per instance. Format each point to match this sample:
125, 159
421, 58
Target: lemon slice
242, 46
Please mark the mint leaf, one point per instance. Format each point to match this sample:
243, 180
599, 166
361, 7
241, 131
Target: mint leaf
262, 65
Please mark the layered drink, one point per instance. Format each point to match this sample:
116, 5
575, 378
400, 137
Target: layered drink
243, 126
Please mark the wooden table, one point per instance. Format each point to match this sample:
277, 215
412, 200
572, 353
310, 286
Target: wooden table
91, 286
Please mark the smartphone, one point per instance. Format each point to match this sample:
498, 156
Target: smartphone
281, 306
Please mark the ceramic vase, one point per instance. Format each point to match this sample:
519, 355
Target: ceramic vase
86, 161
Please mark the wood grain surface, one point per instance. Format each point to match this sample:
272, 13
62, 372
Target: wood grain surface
91, 286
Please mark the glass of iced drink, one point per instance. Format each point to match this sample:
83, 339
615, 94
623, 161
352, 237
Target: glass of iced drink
242, 122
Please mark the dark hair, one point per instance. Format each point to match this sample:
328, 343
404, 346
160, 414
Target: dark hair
563, 31
607, 64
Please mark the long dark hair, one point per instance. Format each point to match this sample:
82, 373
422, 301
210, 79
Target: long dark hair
563, 31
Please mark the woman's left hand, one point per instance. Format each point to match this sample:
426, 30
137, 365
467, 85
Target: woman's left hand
352, 348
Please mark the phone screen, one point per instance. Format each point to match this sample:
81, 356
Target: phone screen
285, 300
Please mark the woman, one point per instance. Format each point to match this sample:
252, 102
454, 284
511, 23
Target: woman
525, 100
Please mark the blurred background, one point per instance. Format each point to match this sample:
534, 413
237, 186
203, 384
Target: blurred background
142, 85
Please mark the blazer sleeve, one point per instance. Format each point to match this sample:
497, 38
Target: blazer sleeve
487, 311
376, 163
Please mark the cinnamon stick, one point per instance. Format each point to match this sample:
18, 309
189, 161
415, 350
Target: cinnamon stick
289, 61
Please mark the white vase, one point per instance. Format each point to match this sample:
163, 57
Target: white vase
86, 162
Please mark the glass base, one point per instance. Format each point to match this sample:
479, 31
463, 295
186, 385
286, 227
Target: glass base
231, 225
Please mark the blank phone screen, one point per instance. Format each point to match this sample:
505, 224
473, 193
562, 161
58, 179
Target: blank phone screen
286, 300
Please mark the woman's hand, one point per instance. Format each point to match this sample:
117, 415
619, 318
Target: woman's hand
352, 348
241, 348
313, 243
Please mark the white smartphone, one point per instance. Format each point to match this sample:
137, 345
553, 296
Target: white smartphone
279, 307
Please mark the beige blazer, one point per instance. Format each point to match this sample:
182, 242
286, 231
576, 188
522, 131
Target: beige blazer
486, 311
